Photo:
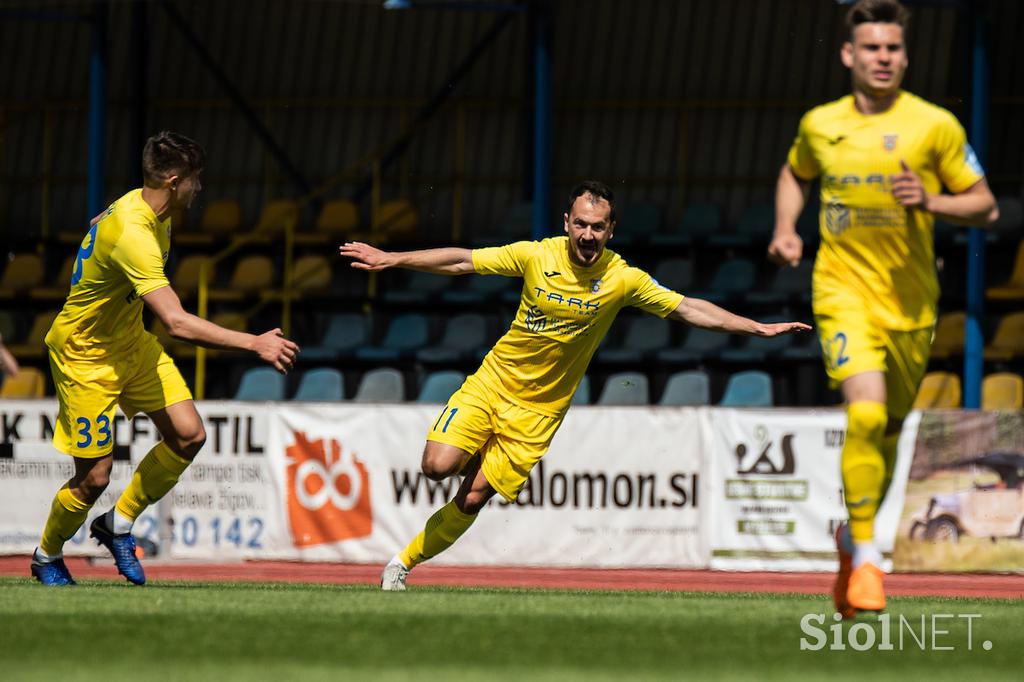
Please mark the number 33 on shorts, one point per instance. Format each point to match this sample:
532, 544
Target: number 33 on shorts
86, 430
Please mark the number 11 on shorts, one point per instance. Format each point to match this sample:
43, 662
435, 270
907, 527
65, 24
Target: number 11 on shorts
444, 429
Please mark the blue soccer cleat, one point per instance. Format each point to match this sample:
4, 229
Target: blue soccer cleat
52, 573
122, 547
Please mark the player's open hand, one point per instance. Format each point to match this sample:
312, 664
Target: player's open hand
908, 189
364, 256
786, 249
780, 328
276, 350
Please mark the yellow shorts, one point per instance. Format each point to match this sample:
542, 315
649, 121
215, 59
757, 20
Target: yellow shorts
852, 344
510, 439
89, 392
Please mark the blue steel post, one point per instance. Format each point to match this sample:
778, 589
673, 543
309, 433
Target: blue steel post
541, 120
973, 337
97, 112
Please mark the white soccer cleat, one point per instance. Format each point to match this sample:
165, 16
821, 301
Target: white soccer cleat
393, 577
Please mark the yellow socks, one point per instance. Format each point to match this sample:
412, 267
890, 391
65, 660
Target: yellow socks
156, 474
67, 514
864, 466
442, 530
889, 444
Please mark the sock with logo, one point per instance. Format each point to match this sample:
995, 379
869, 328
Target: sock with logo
863, 466
67, 514
156, 474
442, 530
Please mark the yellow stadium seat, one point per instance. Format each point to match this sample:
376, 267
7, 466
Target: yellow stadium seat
338, 221
938, 390
57, 288
186, 277
28, 383
949, 336
252, 275
221, 217
1002, 391
311, 275
33, 346
397, 220
1013, 288
1008, 342
23, 272
275, 215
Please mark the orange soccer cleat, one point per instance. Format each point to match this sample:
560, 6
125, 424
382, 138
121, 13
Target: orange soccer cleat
865, 592
842, 583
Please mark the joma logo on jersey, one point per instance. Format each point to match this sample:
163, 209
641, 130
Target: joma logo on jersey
569, 301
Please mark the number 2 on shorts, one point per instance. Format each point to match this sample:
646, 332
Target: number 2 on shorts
444, 429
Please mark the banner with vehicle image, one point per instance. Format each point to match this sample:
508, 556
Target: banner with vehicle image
964, 506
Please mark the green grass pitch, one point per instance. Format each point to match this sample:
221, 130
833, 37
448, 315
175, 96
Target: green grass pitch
243, 631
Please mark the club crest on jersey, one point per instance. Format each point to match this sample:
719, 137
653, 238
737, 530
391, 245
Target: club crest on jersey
595, 285
837, 218
889, 141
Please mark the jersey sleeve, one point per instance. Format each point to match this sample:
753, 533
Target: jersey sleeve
644, 292
509, 260
801, 154
138, 256
955, 162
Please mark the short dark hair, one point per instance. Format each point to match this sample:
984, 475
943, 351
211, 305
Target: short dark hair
596, 189
167, 154
877, 12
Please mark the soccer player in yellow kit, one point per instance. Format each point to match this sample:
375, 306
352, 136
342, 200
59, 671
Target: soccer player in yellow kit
101, 356
883, 156
509, 410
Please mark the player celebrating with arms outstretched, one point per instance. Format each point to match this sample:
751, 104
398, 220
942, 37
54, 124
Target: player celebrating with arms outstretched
883, 156
508, 411
101, 356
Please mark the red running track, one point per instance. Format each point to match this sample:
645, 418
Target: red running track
899, 584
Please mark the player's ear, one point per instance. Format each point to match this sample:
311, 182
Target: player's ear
565, 218
171, 182
846, 54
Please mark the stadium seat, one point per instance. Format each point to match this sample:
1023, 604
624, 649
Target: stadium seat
252, 276
699, 221
1002, 391
581, 396
311, 276
323, 384
755, 350
276, 215
344, 332
406, 334
186, 276
754, 227
261, 383
383, 385
23, 272
787, 285
732, 278
636, 223
438, 387
462, 335
417, 288
675, 273
34, 345
338, 221
698, 345
28, 383
752, 388
57, 288
515, 224
478, 289
949, 336
397, 221
643, 335
1008, 342
938, 390
221, 220
687, 388
625, 388
1013, 288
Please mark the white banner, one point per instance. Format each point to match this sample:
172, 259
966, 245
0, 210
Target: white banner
602, 496
778, 489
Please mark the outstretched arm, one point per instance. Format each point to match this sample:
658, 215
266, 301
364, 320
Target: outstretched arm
707, 315
446, 261
271, 346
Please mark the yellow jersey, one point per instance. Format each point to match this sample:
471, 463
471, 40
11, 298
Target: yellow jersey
874, 253
121, 260
564, 313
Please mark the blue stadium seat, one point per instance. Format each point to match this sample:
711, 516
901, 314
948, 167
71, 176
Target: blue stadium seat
463, 334
752, 388
643, 335
636, 223
344, 333
625, 388
438, 387
755, 350
405, 334
698, 345
478, 289
324, 384
418, 288
754, 228
699, 221
261, 383
687, 388
675, 273
788, 285
383, 385
733, 278
582, 394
